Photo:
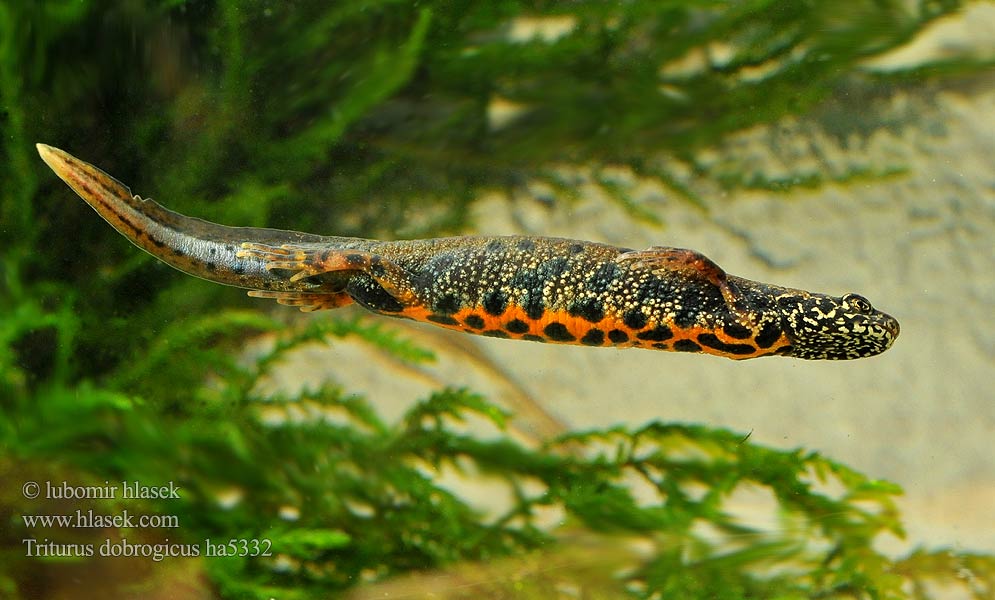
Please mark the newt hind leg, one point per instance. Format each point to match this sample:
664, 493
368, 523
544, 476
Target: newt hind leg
306, 301
305, 261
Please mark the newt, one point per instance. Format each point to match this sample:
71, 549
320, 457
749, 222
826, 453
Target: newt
542, 289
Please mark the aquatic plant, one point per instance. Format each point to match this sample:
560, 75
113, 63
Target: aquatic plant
113, 367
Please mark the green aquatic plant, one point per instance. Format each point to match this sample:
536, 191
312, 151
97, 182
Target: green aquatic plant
329, 494
386, 118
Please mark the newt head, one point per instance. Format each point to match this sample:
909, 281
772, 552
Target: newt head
834, 328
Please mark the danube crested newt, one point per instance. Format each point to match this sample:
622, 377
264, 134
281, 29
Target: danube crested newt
518, 287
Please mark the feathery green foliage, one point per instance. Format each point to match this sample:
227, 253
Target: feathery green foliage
374, 117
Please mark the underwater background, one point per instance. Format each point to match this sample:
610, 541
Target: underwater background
835, 147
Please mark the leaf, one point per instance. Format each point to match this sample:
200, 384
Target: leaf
308, 543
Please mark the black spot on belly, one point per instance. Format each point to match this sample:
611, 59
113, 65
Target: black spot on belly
769, 334
239, 268
495, 303
594, 337
534, 306
708, 339
495, 333
517, 326
634, 319
735, 330
784, 350
575, 248
617, 336
686, 346
353, 260
446, 304
657, 334
474, 321
590, 309
442, 319
495, 246
533, 338
558, 332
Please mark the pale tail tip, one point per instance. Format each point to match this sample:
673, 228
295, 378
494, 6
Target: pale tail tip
59, 161
48, 153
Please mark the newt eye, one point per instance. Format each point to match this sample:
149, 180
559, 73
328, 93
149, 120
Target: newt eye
859, 303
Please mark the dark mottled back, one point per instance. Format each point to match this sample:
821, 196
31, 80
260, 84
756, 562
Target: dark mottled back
537, 274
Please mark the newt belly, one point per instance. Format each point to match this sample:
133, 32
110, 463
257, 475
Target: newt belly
516, 287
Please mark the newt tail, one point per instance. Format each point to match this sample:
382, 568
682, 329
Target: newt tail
517, 287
